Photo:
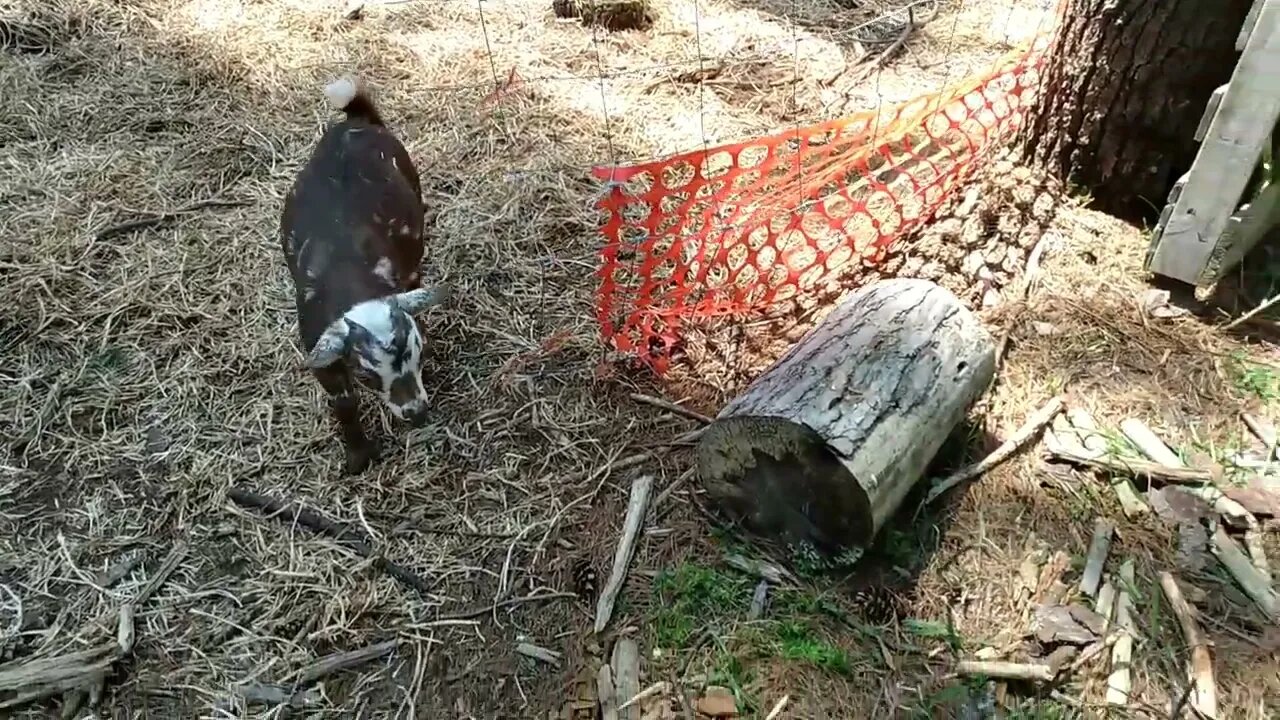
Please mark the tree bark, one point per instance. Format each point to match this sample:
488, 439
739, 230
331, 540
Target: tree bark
822, 448
1125, 86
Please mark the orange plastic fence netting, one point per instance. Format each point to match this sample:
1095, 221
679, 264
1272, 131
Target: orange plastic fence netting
740, 227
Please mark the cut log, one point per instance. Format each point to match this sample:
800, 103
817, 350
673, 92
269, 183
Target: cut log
822, 448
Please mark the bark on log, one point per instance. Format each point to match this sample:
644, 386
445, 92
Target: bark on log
822, 448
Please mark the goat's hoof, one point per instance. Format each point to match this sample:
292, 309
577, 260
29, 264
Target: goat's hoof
360, 458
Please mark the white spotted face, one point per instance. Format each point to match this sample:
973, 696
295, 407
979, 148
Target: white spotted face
386, 348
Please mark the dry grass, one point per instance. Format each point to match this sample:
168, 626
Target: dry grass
146, 372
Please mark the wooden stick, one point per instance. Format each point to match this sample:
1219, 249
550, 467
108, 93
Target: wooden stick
269, 694
337, 662
661, 687
1038, 672
1098, 548
636, 507
1264, 431
162, 218
1119, 682
352, 538
677, 409
1266, 304
1244, 572
1033, 425
1145, 439
1204, 696
1238, 515
537, 652
1137, 468
778, 707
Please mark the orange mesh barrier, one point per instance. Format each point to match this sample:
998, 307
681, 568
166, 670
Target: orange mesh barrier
740, 227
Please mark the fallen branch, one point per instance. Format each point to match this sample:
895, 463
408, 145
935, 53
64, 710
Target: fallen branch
352, 538
636, 507
1034, 424
677, 409
161, 218
1135, 467
1204, 695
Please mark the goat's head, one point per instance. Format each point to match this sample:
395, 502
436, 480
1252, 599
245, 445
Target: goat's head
381, 344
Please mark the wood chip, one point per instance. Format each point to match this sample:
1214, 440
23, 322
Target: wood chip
550, 657
1245, 573
1037, 672
1119, 682
1097, 558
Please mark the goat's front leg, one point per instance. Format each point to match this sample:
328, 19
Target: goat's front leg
345, 407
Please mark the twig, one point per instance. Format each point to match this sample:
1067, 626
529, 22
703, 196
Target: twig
1204, 697
677, 409
161, 218
1245, 573
1135, 467
478, 612
883, 57
1097, 558
265, 694
1034, 424
658, 688
355, 540
1119, 683
337, 662
778, 708
636, 507
1264, 431
681, 698
624, 464
1266, 304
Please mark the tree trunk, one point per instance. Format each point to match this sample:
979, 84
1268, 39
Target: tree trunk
822, 448
1125, 87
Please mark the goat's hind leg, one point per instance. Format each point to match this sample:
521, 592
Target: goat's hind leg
344, 404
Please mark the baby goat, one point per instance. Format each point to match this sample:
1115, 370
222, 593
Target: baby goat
352, 236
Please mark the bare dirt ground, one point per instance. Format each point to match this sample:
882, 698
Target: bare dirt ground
144, 371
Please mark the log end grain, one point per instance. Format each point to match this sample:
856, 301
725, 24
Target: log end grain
778, 478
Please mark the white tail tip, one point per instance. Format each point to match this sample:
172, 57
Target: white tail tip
342, 91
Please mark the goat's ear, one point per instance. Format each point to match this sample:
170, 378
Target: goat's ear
331, 346
415, 301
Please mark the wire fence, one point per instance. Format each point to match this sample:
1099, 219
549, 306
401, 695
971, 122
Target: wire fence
725, 228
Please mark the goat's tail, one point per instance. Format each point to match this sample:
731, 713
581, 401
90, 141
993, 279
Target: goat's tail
349, 95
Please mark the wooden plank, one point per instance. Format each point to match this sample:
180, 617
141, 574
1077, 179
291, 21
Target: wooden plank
1250, 21
1217, 179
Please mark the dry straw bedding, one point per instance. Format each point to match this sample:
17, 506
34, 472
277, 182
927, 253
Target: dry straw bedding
143, 373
